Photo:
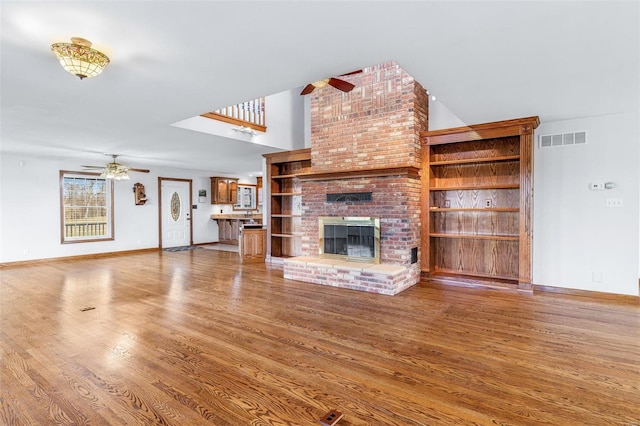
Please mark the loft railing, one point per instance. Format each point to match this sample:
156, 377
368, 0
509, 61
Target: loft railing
247, 114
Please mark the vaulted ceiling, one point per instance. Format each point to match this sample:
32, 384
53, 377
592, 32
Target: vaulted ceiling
171, 60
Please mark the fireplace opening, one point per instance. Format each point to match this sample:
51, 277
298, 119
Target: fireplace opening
350, 238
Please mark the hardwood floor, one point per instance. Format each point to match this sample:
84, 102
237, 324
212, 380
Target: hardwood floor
194, 337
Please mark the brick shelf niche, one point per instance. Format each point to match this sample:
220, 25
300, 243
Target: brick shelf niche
367, 140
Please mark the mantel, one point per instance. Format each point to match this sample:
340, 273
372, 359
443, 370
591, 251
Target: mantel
409, 171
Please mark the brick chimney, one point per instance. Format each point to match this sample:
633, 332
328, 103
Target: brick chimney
368, 140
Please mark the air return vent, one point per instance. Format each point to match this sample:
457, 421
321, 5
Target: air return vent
562, 139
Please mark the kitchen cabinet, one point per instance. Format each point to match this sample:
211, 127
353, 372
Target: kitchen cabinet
253, 244
224, 190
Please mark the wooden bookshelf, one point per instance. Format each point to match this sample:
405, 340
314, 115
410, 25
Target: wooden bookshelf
284, 202
476, 191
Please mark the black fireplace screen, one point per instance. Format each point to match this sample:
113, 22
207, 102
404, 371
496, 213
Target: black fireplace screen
355, 241
353, 238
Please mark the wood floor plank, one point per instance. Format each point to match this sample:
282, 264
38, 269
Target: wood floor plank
195, 337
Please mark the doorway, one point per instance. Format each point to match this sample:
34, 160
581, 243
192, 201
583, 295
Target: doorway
175, 212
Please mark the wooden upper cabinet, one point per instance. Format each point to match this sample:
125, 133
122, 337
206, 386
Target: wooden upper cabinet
224, 190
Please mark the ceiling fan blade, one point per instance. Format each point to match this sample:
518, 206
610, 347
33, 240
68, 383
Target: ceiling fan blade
93, 167
351, 73
131, 169
308, 89
345, 86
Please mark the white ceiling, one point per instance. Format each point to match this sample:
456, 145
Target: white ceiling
171, 60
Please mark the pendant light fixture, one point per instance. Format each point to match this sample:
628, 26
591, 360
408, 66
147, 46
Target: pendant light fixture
79, 58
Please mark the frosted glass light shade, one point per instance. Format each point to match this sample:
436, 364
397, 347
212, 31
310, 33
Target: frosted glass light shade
115, 171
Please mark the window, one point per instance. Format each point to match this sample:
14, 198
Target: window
86, 206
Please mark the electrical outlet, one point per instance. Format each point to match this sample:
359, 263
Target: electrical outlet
615, 202
487, 203
597, 276
596, 186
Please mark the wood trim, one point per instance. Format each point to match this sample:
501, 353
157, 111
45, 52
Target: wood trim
159, 196
287, 156
425, 215
32, 262
494, 129
591, 294
526, 207
409, 171
236, 121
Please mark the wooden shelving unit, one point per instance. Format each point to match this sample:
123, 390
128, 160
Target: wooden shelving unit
476, 191
284, 202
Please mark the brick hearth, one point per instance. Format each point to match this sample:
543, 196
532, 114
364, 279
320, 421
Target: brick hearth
382, 278
367, 140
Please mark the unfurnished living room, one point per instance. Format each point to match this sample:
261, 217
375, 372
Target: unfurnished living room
320, 212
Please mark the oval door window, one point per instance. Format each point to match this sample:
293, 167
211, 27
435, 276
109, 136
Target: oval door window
175, 206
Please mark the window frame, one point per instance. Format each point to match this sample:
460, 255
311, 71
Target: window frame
109, 205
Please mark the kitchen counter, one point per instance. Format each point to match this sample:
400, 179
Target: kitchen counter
237, 216
229, 225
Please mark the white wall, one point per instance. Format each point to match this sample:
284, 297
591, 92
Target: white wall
576, 237
286, 128
30, 204
441, 117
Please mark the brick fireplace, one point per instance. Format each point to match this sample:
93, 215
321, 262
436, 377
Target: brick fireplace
366, 141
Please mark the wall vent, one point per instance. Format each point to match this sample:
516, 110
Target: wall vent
562, 139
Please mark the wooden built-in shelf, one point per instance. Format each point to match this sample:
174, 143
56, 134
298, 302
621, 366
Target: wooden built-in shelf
449, 274
480, 209
471, 187
467, 168
410, 171
284, 201
477, 236
475, 160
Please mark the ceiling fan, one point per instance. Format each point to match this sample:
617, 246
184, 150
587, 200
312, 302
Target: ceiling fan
114, 170
339, 84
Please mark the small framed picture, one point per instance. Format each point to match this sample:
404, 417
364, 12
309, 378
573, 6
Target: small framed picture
202, 196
